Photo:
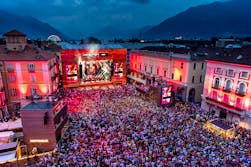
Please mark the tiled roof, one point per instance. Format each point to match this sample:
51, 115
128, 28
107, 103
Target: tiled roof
30, 53
66, 45
14, 33
233, 55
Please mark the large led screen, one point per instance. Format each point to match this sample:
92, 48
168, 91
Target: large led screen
72, 72
98, 70
166, 95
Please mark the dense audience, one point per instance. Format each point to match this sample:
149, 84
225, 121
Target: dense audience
116, 128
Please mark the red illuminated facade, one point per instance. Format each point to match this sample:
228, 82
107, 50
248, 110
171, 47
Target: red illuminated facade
91, 65
227, 92
27, 69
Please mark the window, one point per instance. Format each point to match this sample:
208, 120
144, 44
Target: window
228, 85
140, 66
244, 75
193, 79
194, 66
241, 89
218, 71
14, 92
181, 65
216, 83
151, 69
145, 68
135, 66
32, 77
180, 78
31, 67
202, 66
34, 91
200, 78
230, 73
12, 78
164, 73
157, 71
10, 68
172, 75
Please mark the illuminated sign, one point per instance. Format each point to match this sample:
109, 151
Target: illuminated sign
39, 141
95, 54
103, 54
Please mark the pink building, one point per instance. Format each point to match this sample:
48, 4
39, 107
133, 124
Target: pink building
227, 90
27, 69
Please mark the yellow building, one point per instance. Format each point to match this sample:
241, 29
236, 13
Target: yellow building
181, 69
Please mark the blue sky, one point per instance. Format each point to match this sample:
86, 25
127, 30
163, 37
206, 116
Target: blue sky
80, 17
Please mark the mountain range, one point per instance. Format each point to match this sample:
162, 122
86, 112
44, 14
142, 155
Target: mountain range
28, 25
220, 19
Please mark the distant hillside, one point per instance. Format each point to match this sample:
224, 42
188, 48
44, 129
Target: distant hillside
30, 26
216, 19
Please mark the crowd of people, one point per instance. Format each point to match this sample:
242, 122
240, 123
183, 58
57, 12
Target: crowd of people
117, 128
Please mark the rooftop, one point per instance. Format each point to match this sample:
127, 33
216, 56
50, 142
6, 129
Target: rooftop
221, 124
66, 45
233, 55
30, 53
40, 105
14, 33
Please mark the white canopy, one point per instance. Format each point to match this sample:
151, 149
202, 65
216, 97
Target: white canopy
11, 125
7, 156
6, 134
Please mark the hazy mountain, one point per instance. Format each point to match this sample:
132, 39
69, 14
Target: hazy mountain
216, 19
30, 26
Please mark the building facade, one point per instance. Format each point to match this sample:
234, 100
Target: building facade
182, 70
26, 69
227, 92
43, 124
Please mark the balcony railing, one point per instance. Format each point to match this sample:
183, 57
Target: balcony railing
240, 93
215, 86
10, 69
227, 89
31, 69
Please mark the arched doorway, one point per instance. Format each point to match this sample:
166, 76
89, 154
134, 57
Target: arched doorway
191, 95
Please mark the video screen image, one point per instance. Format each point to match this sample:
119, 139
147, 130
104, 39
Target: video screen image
72, 72
118, 70
98, 70
166, 95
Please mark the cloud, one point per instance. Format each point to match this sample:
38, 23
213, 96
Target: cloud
87, 16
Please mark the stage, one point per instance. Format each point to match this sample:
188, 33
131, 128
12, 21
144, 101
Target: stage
93, 67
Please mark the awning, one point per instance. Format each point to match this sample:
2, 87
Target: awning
8, 146
219, 127
137, 79
11, 125
6, 134
7, 156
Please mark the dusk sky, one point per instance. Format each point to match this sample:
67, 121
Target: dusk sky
77, 17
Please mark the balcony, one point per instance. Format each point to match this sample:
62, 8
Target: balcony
227, 89
31, 69
234, 109
10, 69
215, 86
240, 93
